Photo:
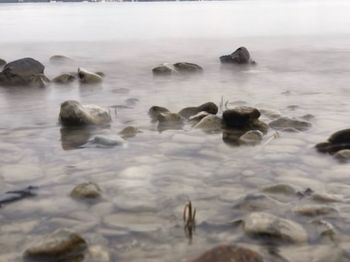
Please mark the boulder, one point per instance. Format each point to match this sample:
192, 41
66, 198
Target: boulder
75, 114
64, 79
240, 116
252, 137
187, 68
60, 245
210, 123
88, 190
289, 124
231, 253
240, 57
279, 229
338, 141
87, 77
208, 107
23, 72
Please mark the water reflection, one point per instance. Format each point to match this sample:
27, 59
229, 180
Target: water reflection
75, 137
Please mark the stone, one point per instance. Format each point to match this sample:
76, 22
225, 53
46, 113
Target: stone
252, 137
23, 72
229, 253
315, 210
155, 111
129, 131
2, 62
198, 117
343, 155
108, 141
187, 68
240, 57
256, 202
163, 70
169, 120
279, 229
60, 59
74, 137
285, 124
86, 190
60, 245
338, 141
64, 79
340, 137
87, 77
210, 123
73, 113
240, 116
208, 107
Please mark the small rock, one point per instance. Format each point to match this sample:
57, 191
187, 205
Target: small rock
343, 155
229, 254
336, 142
208, 107
324, 197
241, 56
256, 202
315, 210
169, 120
62, 244
87, 77
108, 141
264, 224
64, 79
210, 123
155, 111
240, 116
285, 123
252, 137
188, 68
86, 190
280, 189
198, 117
163, 70
129, 132
73, 113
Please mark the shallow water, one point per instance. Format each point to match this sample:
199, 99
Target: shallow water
302, 50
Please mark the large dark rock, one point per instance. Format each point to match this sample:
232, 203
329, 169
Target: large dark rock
229, 254
23, 72
241, 56
208, 107
338, 141
240, 116
73, 113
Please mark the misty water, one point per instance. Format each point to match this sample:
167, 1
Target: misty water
303, 62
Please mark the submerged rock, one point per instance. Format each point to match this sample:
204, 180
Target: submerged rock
252, 137
169, 120
229, 254
23, 72
315, 210
210, 123
60, 59
155, 111
208, 107
343, 155
74, 137
288, 124
241, 57
60, 245
338, 141
163, 70
73, 113
187, 68
256, 202
280, 229
86, 190
129, 132
87, 77
280, 189
64, 79
108, 141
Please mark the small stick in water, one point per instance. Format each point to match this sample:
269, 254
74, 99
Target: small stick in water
189, 217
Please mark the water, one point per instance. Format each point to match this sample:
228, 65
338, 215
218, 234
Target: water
302, 50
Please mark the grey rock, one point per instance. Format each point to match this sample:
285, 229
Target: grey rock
129, 132
280, 189
315, 210
210, 123
60, 245
343, 155
264, 224
285, 123
64, 79
108, 141
252, 137
88, 190
87, 77
155, 111
208, 107
240, 57
163, 70
187, 68
73, 113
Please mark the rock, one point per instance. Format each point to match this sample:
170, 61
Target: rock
60, 245
252, 137
169, 120
2, 62
60, 59
336, 142
86, 190
343, 155
210, 123
328, 198
108, 141
315, 210
208, 107
64, 79
285, 124
187, 68
198, 117
75, 114
101, 74
155, 111
87, 77
23, 72
129, 132
241, 56
280, 189
256, 202
240, 116
163, 70
229, 254
280, 229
